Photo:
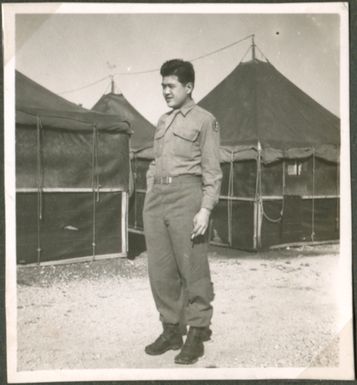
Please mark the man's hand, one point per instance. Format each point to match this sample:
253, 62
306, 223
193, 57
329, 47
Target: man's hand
200, 222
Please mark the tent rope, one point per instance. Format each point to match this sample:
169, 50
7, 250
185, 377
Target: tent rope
313, 197
230, 195
141, 72
39, 187
245, 54
262, 53
266, 216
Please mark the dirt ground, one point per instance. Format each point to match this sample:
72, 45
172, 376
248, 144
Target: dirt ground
272, 309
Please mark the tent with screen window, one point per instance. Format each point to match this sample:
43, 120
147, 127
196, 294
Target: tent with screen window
72, 174
141, 156
280, 160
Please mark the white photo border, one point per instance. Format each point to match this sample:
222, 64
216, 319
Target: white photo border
344, 292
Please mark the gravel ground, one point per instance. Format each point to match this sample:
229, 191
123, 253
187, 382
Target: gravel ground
272, 309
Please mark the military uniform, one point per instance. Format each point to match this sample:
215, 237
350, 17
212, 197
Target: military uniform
184, 177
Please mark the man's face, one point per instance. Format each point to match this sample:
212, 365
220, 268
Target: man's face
175, 93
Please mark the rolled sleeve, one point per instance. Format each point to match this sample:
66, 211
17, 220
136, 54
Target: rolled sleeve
210, 163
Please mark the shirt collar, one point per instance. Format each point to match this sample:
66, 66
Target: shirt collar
185, 109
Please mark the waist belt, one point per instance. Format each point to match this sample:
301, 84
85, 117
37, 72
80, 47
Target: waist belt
179, 178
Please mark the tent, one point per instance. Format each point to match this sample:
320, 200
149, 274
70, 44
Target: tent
280, 154
143, 130
72, 174
280, 161
141, 156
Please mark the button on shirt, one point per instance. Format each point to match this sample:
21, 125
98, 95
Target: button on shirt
187, 142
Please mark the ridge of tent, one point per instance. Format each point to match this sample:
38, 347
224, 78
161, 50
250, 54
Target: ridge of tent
256, 103
117, 104
34, 101
34, 94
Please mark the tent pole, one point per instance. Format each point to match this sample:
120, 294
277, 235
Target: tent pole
253, 47
112, 84
135, 203
338, 196
97, 184
229, 200
124, 222
94, 193
313, 197
255, 214
258, 202
283, 198
39, 189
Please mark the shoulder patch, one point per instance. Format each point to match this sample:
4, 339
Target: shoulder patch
216, 126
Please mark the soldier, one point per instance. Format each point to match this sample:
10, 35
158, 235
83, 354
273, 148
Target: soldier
183, 186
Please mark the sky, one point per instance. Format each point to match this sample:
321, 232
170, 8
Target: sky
68, 51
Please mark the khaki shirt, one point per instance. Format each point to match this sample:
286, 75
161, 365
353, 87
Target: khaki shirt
187, 142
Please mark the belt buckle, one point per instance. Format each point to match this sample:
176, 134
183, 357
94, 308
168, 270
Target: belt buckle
166, 179
163, 179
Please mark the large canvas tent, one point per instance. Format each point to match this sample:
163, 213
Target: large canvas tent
117, 104
141, 155
280, 154
280, 161
72, 174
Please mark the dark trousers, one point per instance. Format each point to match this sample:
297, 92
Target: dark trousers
178, 267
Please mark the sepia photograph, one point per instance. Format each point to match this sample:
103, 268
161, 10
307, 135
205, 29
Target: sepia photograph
177, 191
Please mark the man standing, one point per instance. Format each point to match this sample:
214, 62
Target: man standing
183, 186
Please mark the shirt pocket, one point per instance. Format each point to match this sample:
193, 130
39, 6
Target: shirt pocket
185, 141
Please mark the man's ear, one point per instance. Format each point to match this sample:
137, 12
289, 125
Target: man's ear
189, 87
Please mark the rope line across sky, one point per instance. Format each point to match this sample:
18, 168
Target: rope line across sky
158, 69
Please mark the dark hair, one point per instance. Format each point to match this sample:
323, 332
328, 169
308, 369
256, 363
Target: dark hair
182, 69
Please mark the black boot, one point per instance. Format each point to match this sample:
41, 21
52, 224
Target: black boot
169, 339
206, 332
193, 348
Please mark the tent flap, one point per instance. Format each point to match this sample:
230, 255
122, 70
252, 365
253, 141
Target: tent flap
67, 120
270, 155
